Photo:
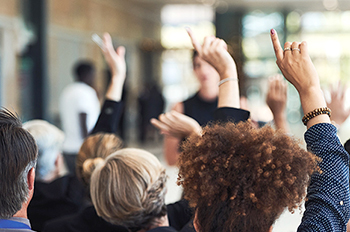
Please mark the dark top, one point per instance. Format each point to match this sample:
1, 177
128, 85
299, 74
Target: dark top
52, 200
86, 220
163, 229
108, 120
199, 109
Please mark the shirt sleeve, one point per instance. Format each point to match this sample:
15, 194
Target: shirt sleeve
225, 114
327, 204
109, 118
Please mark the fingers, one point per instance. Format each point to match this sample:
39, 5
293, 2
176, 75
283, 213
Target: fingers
276, 45
121, 51
208, 41
303, 48
194, 41
295, 48
160, 125
107, 40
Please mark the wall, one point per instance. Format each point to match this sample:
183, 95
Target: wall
71, 24
9, 31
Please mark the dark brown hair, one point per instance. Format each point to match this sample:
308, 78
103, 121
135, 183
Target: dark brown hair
240, 179
18, 153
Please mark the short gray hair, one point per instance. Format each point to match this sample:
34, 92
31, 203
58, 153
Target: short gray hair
18, 153
49, 140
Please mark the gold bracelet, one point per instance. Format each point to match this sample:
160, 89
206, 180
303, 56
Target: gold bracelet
316, 112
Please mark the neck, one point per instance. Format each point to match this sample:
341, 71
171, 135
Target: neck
22, 213
208, 93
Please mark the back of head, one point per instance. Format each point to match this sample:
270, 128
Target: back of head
49, 140
95, 149
129, 189
18, 154
84, 71
241, 179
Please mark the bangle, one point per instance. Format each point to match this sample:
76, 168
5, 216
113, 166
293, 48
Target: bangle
316, 112
226, 80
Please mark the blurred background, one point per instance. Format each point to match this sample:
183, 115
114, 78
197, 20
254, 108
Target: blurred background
41, 40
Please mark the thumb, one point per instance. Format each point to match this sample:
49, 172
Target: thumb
121, 51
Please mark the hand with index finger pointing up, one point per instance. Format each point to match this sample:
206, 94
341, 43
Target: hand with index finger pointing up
214, 51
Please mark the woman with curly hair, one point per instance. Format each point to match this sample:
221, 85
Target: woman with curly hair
240, 179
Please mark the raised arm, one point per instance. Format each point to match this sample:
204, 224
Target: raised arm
214, 51
327, 205
337, 104
276, 99
110, 113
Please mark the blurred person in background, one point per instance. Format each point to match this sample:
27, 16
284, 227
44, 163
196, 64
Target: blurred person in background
200, 107
96, 147
79, 109
56, 192
150, 105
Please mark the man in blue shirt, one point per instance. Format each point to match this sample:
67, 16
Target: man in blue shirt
18, 154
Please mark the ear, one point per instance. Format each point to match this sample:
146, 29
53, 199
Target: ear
195, 225
270, 230
31, 178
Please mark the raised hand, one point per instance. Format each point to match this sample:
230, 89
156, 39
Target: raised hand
116, 62
295, 63
176, 125
337, 104
114, 58
214, 51
276, 99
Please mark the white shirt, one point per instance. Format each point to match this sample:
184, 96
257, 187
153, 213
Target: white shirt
77, 98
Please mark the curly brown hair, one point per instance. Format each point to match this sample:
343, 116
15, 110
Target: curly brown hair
239, 178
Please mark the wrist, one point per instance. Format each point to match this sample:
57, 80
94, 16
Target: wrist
228, 73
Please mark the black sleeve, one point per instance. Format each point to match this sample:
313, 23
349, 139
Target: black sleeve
225, 114
108, 120
179, 214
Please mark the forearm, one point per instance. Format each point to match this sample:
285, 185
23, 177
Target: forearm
109, 118
281, 122
328, 194
171, 150
229, 94
115, 88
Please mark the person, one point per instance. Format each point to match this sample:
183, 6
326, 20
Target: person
150, 104
129, 189
200, 107
56, 192
241, 179
97, 146
18, 153
79, 109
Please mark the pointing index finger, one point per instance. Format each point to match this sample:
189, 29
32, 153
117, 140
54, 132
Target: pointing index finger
194, 41
276, 45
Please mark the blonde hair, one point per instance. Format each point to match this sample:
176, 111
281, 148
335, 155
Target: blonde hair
94, 150
128, 189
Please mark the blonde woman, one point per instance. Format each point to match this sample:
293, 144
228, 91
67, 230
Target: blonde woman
128, 189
